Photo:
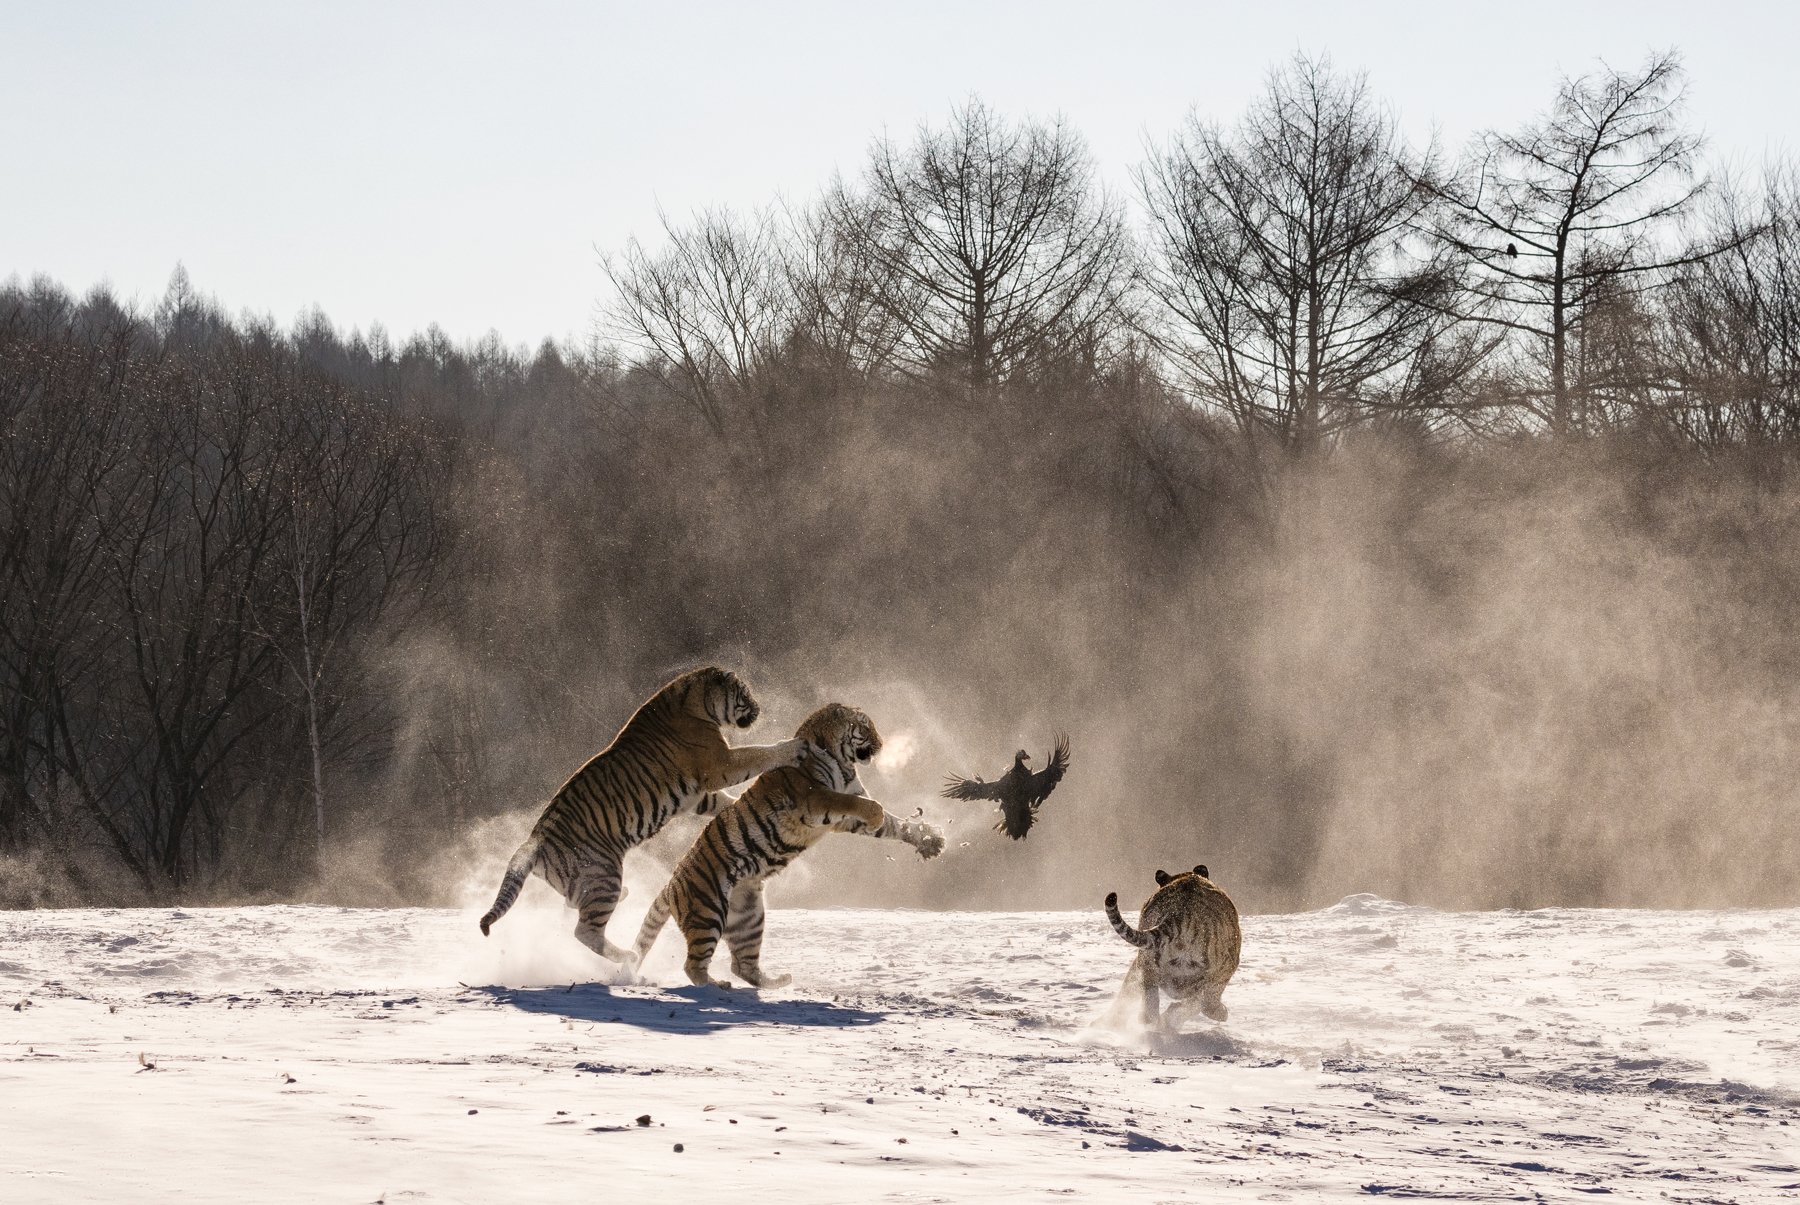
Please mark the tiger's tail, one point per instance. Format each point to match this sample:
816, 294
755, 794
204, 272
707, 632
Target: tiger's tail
517, 871
1137, 937
654, 920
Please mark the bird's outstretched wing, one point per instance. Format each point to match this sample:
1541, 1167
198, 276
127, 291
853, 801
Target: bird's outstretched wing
1045, 780
970, 788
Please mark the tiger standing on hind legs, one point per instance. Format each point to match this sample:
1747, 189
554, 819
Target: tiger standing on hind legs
717, 887
670, 757
1188, 947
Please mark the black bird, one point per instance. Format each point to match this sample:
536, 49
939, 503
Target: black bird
1512, 251
1019, 792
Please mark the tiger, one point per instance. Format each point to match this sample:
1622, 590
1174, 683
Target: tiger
1188, 947
670, 757
717, 887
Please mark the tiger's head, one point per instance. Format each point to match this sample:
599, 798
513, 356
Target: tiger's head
719, 696
839, 739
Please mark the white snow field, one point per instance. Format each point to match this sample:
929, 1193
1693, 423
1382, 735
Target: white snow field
1374, 1050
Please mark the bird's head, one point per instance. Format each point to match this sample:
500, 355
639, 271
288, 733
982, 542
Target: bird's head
1021, 757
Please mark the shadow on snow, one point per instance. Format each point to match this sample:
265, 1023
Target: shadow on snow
683, 1010
1200, 1044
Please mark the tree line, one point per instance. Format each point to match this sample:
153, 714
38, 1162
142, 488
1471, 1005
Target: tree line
283, 600
1297, 274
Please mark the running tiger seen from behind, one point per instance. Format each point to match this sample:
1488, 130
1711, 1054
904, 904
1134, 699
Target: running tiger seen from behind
1188, 947
670, 757
717, 887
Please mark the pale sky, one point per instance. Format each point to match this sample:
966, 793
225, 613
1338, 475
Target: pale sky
460, 163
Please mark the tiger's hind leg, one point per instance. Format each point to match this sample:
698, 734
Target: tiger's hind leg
1117, 1014
1152, 1001
701, 945
1212, 1004
598, 892
744, 933
700, 925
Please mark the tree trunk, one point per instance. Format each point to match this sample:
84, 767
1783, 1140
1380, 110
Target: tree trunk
1559, 338
309, 683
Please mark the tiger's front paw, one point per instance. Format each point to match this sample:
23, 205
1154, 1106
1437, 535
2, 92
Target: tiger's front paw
788, 751
926, 839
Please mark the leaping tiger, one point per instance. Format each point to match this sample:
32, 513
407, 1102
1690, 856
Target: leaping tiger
717, 887
670, 757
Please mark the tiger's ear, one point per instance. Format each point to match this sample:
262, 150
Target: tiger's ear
1163, 876
1201, 871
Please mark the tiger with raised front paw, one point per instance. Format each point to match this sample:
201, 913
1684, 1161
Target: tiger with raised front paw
717, 887
670, 757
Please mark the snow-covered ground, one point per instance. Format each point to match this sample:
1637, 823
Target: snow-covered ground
1374, 1049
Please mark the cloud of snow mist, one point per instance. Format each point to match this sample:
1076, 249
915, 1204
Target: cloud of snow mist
1525, 684
1560, 679
1516, 677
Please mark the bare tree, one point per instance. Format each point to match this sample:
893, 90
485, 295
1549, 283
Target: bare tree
1569, 218
257, 521
360, 536
65, 435
996, 252
186, 551
839, 324
1291, 296
1732, 339
708, 311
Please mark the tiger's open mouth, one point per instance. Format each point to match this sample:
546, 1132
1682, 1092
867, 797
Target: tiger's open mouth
864, 752
746, 719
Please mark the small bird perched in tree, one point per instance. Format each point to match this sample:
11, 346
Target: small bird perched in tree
1512, 251
1018, 791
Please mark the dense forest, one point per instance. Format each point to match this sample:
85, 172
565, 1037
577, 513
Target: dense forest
1374, 517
